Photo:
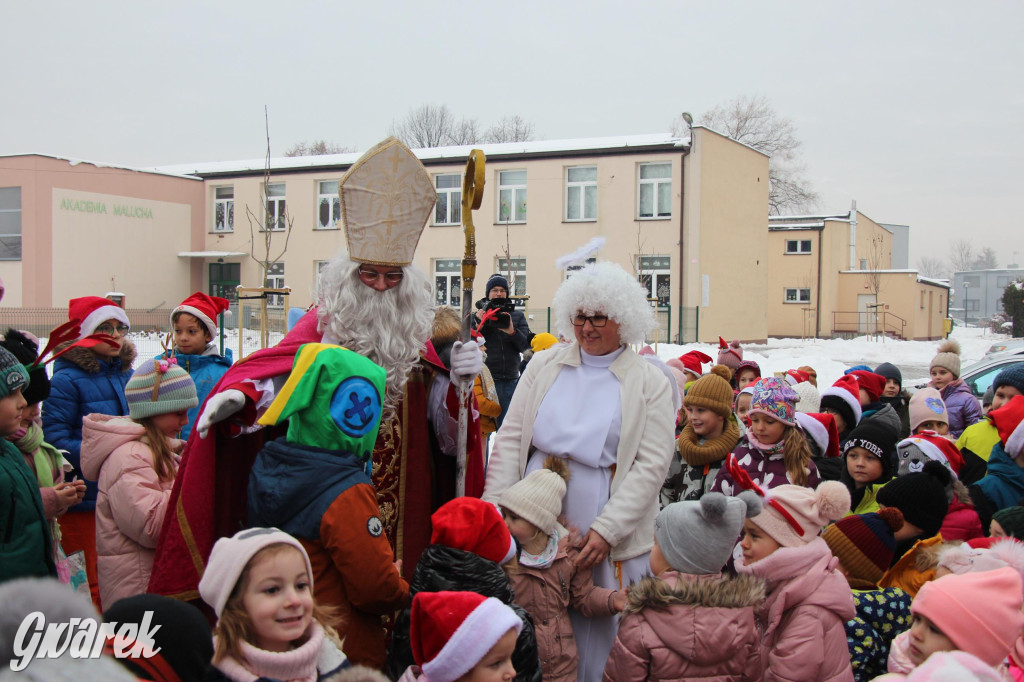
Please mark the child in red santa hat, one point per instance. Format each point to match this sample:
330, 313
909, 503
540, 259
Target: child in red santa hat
194, 325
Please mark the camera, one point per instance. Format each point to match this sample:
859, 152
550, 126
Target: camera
504, 308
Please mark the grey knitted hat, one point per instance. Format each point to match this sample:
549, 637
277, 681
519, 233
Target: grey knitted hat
698, 537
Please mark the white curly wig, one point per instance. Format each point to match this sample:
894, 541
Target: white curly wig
607, 289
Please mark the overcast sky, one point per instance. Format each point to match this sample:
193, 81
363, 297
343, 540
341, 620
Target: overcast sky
914, 109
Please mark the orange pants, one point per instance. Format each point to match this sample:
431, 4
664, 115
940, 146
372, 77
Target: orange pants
78, 534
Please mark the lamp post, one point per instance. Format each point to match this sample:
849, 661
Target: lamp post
966, 287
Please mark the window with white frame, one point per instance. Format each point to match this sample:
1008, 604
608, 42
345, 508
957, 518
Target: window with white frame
448, 209
863, 263
518, 274
512, 196
574, 268
448, 281
318, 267
275, 280
10, 223
798, 295
795, 246
581, 193
654, 273
972, 304
655, 191
224, 209
276, 216
328, 205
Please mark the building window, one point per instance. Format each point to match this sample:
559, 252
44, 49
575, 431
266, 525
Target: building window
512, 196
794, 246
10, 223
276, 216
655, 190
972, 281
224, 280
798, 295
573, 268
1002, 282
581, 193
972, 305
448, 281
517, 272
318, 267
275, 280
654, 275
863, 263
448, 210
224, 209
328, 205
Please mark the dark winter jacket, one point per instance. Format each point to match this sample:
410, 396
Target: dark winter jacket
84, 383
24, 532
883, 413
326, 500
1002, 487
881, 615
504, 350
443, 569
962, 408
900, 403
205, 370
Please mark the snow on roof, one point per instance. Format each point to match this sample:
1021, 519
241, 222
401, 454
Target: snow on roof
791, 218
456, 153
101, 164
796, 226
934, 282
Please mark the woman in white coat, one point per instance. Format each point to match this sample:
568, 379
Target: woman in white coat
609, 412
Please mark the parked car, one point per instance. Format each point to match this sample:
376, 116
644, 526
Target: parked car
1002, 346
981, 374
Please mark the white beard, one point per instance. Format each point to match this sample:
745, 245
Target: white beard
389, 327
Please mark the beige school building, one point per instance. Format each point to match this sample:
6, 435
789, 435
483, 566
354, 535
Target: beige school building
688, 216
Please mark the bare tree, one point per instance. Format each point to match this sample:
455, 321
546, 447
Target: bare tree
510, 129
433, 125
929, 266
986, 260
752, 121
961, 255
317, 148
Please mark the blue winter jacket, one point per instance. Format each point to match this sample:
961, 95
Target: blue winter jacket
205, 370
1004, 483
84, 383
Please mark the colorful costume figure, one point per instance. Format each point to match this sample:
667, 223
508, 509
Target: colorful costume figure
314, 485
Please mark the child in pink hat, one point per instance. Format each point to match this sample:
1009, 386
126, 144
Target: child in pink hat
808, 599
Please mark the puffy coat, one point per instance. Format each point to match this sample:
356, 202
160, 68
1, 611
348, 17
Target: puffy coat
130, 505
84, 383
205, 370
881, 615
687, 628
803, 617
444, 569
1001, 487
884, 413
768, 471
900, 403
490, 410
962, 408
24, 533
326, 500
961, 523
979, 439
916, 567
547, 593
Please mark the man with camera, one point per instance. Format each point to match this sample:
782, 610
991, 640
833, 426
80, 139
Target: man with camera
506, 336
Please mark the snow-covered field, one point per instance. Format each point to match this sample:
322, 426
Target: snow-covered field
831, 357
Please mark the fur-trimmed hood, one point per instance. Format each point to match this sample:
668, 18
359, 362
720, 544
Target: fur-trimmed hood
90, 362
712, 591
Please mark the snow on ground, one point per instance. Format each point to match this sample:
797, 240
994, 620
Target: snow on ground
831, 357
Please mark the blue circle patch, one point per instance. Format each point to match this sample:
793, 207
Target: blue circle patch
355, 406
935, 405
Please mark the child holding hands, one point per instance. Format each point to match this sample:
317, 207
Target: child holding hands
547, 581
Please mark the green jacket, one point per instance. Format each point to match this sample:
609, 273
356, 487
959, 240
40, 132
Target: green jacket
24, 535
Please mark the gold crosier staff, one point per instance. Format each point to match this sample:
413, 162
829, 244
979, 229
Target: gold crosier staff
472, 195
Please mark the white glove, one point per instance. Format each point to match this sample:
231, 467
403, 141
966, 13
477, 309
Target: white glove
467, 359
218, 408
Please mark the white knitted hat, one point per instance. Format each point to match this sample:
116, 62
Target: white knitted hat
538, 497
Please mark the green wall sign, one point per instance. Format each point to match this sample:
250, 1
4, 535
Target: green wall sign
125, 210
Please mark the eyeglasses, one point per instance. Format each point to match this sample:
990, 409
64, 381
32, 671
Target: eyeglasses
595, 320
370, 276
109, 329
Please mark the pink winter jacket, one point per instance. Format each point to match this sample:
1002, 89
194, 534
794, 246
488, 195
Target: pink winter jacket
803, 617
130, 504
685, 627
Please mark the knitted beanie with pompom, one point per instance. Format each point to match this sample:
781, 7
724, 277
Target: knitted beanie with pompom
697, 537
948, 357
712, 391
865, 543
804, 511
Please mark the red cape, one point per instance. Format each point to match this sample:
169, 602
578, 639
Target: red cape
208, 500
